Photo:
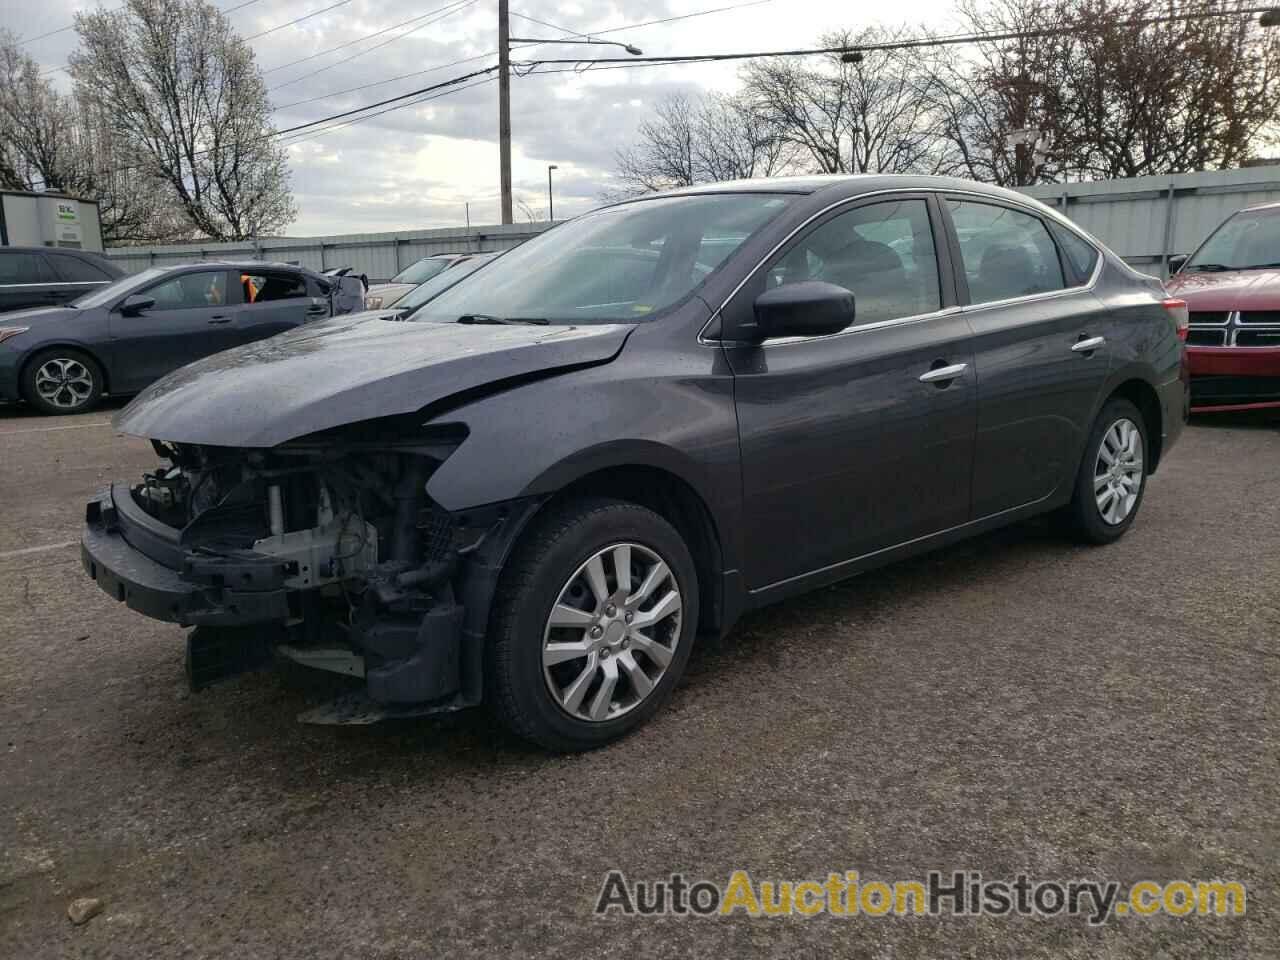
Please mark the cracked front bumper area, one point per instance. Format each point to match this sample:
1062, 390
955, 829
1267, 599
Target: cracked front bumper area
412, 629
143, 564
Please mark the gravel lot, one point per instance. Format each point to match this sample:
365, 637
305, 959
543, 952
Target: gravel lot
1013, 704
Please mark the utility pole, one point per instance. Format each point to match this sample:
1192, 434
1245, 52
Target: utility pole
551, 204
504, 108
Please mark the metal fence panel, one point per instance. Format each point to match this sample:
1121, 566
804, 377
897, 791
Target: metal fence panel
1144, 219
1149, 219
378, 255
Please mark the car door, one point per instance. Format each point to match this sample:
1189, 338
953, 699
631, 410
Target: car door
191, 318
857, 441
275, 301
26, 281
1040, 349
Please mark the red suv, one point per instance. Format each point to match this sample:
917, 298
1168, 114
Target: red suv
1232, 287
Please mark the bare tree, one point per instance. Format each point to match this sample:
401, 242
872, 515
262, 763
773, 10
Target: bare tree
186, 94
1106, 93
701, 139
34, 123
663, 159
851, 117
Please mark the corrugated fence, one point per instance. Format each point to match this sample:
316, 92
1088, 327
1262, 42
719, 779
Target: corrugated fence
1144, 219
378, 255
1149, 219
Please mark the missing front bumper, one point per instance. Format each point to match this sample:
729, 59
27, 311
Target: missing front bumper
122, 549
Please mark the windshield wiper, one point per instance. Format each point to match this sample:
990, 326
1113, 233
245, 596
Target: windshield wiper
1208, 268
486, 318
1261, 266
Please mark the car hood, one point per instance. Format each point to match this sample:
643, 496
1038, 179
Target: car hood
348, 369
1230, 290
390, 292
37, 316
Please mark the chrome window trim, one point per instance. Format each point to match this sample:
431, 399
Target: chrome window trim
940, 194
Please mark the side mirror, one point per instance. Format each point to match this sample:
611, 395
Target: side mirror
1176, 262
807, 309
136, 304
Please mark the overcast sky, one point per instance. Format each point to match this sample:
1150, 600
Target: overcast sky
413, 168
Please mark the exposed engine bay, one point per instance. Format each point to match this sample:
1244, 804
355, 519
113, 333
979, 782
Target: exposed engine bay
330, 554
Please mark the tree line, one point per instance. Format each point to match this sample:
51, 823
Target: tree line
1086, 90
167, 126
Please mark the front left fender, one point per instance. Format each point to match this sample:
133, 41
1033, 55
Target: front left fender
540, 437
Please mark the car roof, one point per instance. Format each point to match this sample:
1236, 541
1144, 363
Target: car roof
842, 185
236, 265
68, 251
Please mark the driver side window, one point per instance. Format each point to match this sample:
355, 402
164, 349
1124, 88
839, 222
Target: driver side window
883, 252
190, 290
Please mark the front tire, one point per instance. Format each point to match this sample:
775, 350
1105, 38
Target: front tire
1113, 474
592, 626
62, 381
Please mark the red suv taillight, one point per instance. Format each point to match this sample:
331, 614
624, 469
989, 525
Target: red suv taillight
1179, 314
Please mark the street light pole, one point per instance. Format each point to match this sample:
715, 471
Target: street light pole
504, 108
551, 206
504, 94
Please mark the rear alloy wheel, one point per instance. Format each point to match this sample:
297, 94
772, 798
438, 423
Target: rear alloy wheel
62, 381
592, 625
1113, 474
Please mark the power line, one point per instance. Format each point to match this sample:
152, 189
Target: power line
457, 7
913, 44
350, 123
350, 43
397, 99
297, 20
494, 53
72, 26
646, 23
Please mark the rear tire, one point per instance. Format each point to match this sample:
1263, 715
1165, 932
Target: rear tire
1113, 475
62, 381
580, 654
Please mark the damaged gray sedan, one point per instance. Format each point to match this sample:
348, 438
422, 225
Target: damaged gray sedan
542, 485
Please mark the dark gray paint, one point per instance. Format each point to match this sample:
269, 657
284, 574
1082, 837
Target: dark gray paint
52, 286
814, 459
135, 351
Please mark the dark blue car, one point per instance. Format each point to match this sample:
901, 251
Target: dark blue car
122, 337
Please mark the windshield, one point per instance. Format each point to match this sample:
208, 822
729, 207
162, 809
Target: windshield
420, 272
618, 263
1247, 241
441, 282
112, 291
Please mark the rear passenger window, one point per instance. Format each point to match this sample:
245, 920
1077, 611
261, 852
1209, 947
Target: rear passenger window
883, 252
25, 268
1006, 253
265, 287
75, 270
1080, 254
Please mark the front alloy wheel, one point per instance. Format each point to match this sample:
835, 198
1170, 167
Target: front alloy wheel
612, 633
62, 380
592, 623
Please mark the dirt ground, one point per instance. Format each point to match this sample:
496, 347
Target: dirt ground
1013, 704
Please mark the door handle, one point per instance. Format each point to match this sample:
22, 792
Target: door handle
943, 375
219, 319
1088, 344
317, 311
